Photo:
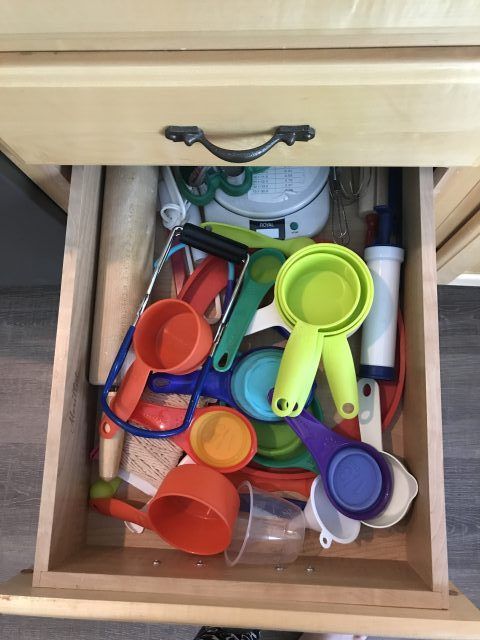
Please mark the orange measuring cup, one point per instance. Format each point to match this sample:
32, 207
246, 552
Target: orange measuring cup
194, 509
219, 437
171, 336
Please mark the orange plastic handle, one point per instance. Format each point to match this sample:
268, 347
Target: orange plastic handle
159, 418
205, 283
122, 511
127, 397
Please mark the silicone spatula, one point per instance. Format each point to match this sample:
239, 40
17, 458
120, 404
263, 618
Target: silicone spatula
259, 279
257, 240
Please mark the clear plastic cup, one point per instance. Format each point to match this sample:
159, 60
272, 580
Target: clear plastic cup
268, 530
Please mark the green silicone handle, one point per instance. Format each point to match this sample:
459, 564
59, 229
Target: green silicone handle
340, 371
260, 278
256, 240
248, 301
297, 370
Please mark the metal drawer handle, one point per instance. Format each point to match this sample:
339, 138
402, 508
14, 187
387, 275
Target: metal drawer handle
287, 134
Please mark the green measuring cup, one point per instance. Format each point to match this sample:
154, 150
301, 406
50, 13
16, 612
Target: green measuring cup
300, 460
257, 240
353, 322
318, 293
279, 447
360, 268
259, 279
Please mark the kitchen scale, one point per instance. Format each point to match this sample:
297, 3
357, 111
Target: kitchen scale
283, 202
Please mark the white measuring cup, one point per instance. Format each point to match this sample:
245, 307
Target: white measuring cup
404, 486
320, 515
266, 318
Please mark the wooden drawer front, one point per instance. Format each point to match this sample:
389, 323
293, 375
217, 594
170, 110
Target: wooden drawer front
214, 24
395, 584
397, 107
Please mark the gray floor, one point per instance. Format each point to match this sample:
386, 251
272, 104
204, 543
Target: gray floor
27, 333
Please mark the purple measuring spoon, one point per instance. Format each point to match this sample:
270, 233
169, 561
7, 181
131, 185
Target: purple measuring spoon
357, 480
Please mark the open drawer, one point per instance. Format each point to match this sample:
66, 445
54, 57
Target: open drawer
392, 582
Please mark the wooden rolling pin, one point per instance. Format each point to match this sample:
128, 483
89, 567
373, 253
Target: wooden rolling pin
125, 259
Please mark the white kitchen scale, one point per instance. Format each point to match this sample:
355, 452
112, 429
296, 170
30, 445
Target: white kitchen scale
283, 202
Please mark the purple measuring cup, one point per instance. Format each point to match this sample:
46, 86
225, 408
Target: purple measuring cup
244, 387
357, 480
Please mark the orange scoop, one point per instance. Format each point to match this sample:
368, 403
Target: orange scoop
170, 337
219, 437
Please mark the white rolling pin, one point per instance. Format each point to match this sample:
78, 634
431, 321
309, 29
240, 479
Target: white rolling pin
379, 331
125, 259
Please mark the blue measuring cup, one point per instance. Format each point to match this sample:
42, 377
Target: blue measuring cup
244, 387
357, 480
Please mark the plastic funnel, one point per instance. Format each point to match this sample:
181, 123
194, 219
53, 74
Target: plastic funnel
405, 487
321, 515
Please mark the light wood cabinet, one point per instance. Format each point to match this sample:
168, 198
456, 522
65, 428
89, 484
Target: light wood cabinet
80, 102
385, 107
53, 25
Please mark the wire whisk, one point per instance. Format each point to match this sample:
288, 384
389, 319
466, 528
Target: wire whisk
347, 185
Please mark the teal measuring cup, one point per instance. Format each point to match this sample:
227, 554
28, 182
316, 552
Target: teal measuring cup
260, 277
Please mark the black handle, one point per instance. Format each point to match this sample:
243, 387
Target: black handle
287, 134
213, 243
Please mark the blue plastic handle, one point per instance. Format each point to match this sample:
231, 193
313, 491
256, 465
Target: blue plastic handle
215, 384
385, 225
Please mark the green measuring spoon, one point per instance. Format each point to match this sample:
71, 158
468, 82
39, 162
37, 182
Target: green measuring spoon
256, 240
259, 279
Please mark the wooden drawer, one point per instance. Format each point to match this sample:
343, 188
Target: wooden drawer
394, 107
392, 582
212, 24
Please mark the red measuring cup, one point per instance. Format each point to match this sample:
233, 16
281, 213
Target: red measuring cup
205, 283
171, 336
194, 509
298, 482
